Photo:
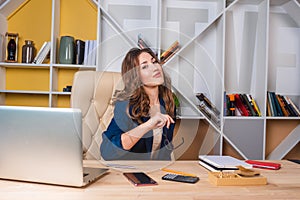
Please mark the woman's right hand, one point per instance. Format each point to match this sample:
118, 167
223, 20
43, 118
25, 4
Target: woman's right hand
160, 120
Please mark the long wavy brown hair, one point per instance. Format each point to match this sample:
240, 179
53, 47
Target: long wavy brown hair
135, 93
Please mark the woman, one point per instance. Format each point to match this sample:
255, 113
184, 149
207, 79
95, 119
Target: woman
144, 114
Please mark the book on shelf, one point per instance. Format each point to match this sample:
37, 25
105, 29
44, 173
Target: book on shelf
270, 100
143, 44
285, 112
231, 105
43, 52
276, 104
90, 51
241, 105
208, 109
295, 108
217, 163
167, 54
250, 104
287, 106
93, 52
255, 106
281, 105
86, 51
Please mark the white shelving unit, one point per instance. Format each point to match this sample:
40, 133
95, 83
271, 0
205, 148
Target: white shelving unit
235, 48
223, 49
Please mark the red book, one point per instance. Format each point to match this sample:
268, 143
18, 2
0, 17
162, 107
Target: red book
264, 165
240, 106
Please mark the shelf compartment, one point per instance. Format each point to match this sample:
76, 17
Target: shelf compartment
281, 137
131, 18
72, 19
246, 136
122, 23
184, 20
36, 79
284, 54
30, 99
61, 100
245, 49
30, 27
197, 68
62, 77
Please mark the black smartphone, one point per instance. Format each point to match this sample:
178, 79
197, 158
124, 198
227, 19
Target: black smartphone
180, 178
139, 179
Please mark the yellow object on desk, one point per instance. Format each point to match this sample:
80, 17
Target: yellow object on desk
177, 172
227, 178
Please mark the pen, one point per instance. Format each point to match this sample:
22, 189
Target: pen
177, 172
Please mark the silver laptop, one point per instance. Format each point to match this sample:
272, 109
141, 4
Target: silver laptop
43, 145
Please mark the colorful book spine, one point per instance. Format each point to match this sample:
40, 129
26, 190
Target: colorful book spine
240, 106
231, 105
166, 55
248, 104
277, 105
282, 105
255, 106
294, 107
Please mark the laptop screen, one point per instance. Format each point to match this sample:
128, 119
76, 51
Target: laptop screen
40, 144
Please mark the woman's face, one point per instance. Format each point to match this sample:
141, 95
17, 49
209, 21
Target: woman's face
151, 73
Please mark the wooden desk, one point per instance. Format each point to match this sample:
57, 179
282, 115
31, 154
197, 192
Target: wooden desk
282, 184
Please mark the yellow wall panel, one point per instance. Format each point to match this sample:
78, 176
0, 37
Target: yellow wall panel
78, 19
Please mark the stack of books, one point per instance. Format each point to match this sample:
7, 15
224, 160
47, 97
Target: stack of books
240, 105
215, 163
90, 51
208, 109
280, 105
167, 54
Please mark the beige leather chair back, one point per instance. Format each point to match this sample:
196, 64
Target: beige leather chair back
92, 92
